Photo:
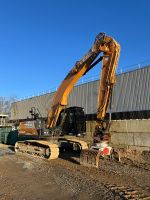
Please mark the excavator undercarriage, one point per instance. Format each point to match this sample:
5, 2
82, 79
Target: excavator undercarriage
51, 150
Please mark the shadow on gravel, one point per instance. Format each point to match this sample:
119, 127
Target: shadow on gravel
6, 151
12, 148
71, 156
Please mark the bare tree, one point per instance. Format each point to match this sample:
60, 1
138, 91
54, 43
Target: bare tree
5, 104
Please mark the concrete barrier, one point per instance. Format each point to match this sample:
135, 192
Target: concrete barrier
133, 134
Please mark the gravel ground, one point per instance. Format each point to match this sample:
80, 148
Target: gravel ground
29, 178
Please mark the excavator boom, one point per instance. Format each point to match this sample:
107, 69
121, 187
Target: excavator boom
110, 49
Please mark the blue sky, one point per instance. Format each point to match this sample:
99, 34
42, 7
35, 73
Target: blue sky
40, 40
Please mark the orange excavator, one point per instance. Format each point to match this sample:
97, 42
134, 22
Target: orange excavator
52, 136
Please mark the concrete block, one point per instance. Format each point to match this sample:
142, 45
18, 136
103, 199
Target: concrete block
131, 126
124, 139
141, 139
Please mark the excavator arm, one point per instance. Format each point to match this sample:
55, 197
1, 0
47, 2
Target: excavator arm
111, 50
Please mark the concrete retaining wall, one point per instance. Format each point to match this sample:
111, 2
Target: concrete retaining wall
133, 134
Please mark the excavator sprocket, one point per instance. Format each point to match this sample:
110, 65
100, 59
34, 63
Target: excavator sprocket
39, 148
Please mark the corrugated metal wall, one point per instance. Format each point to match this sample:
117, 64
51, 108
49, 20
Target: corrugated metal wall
131, 93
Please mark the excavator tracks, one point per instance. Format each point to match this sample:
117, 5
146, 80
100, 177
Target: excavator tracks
46, 149
49, 150
128, 193
42, 149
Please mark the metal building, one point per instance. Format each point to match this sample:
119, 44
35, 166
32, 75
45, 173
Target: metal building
131, 97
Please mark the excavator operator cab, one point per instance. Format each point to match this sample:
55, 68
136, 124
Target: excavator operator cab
72, 121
